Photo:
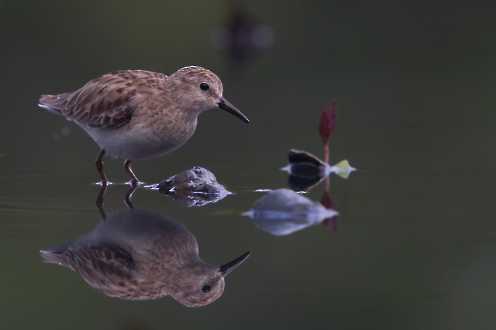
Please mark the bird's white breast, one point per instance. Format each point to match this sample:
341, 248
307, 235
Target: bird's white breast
136, 143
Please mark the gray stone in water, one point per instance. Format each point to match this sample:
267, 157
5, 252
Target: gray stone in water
196, 187
283, 212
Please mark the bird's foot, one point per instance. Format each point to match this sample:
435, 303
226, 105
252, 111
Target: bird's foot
103, 183
135, 183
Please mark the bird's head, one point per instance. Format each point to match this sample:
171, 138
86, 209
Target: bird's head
198, 89
202, 284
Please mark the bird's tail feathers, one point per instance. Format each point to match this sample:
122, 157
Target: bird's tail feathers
53, 103
54, 256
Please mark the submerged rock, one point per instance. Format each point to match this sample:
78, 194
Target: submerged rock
306, 165
283, 212
195, 187
307, 170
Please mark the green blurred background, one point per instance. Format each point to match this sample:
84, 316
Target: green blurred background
414, 81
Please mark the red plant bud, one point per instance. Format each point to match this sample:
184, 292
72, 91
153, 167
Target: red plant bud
328, 122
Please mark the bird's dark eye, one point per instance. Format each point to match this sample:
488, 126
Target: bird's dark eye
204, 86
206, 288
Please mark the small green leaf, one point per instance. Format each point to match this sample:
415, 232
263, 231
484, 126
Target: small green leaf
343, 169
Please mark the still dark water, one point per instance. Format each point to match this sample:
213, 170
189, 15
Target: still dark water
414, 245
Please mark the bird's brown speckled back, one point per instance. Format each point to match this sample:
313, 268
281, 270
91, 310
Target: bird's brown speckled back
106, 101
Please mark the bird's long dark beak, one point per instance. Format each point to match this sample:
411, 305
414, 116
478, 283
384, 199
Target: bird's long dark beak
232, 265
229, 107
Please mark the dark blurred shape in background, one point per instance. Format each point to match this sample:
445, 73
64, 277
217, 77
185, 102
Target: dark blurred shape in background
242, 37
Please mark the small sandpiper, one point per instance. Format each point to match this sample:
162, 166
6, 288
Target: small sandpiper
138, 114
140, 255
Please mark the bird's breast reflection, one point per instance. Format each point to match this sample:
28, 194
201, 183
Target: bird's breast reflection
139, 255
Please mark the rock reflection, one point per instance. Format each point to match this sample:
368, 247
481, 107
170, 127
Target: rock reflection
195, 187
139, 255
283, 212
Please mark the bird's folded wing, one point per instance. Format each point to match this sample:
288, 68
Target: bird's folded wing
105, 259
110, 100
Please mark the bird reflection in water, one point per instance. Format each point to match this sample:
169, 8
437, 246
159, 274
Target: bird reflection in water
137, 254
